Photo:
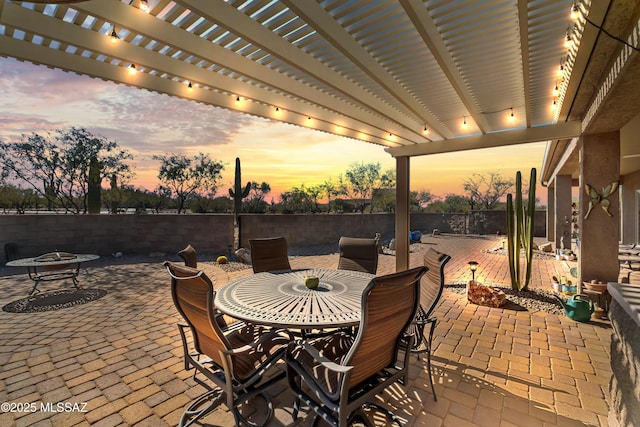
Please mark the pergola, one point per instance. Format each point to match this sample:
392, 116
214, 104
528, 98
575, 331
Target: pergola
415, 77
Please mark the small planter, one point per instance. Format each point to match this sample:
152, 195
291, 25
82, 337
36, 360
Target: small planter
557, 287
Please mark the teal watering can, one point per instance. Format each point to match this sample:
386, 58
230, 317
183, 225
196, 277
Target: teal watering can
579, 307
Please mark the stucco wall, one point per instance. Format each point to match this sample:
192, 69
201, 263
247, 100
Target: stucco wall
106, 234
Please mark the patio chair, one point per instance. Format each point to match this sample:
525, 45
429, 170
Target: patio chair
430, 292
189, 256
269, 254
343, 374
358, 254
236, 361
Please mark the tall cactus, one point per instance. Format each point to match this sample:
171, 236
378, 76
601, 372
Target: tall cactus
520, 230
94, 188
238, 193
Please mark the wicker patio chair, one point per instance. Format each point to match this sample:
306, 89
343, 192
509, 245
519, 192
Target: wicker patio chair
238, 361
358, 254
430, 292
189, 256
343, 373
269, 254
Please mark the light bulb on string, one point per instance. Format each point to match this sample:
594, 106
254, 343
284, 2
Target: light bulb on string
554, 105
512, 117
556, 90
568, 41
132, 69
575, 12
464, 122
114, 36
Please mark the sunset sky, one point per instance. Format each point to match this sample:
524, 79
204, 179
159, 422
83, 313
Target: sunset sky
37, 99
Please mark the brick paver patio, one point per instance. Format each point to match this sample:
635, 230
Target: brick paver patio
121, 354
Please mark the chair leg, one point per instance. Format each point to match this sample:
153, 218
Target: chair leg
201, 407
428, 344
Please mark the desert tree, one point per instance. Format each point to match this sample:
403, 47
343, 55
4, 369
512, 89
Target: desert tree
484, 191
187, 177
255, 202
362, 179
57, 165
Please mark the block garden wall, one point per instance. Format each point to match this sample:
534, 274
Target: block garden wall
212, 234
106, 234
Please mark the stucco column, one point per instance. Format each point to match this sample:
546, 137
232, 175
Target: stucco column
562, 217
599, 233
402, 213
551, 214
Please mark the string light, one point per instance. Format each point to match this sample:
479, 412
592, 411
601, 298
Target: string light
190, 87
560, 71
277, 109
237, 99
554, 105
426, 129
144, 5
512, 117
556, 90
464, 122
132, 69
114, 36
568, 41
575, 12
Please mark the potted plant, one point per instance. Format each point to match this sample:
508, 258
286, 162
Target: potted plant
557, 286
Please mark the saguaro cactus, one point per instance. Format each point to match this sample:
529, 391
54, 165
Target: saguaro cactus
238, 193
93, 188
520, 230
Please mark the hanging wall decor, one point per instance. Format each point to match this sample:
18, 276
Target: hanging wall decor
601, 198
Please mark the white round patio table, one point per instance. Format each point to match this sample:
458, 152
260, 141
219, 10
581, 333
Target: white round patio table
281, 298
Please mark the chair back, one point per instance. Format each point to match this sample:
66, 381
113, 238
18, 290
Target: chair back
193, 296
358, 254
269, 254
433, 283
189, 256
389, 304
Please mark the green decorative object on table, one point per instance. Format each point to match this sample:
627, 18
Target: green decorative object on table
222, 259
311, 282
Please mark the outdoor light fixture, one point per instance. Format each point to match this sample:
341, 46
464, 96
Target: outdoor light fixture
575, 12
473, 266
560, 71
464, 122
237, 99
554, 105
144, 5
190, 87
114, 35
132, 69
512, 118
556, 90
567, 39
